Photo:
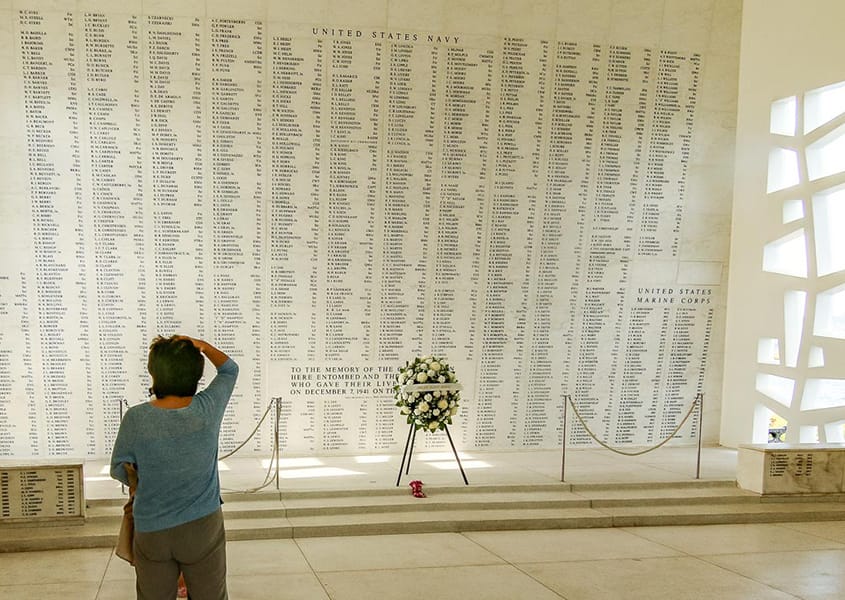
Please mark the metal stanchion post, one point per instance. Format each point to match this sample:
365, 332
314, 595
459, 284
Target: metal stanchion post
563, 449
120, 403
404, 454
700, 398
277, 448
411, 451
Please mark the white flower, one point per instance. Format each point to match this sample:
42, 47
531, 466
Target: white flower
426, 409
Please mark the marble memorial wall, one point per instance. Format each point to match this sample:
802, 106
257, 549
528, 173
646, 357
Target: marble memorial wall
325, 202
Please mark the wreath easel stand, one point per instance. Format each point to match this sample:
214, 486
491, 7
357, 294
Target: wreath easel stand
412, 430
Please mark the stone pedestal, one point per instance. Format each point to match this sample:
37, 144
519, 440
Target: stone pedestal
792, 468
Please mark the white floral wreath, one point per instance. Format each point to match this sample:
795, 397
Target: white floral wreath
427, 392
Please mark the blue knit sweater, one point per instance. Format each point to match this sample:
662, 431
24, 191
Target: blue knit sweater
176, 454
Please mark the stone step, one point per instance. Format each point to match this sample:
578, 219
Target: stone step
481, 508
270, 505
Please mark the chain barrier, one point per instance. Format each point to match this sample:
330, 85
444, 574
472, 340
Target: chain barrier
251, 435
640, 452
567, 401
269, 477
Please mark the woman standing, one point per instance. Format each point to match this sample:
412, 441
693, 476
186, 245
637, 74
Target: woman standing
172, 440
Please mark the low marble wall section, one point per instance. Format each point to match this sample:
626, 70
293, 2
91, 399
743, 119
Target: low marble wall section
792, 468
47, 490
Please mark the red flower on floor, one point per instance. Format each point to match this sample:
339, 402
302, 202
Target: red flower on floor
416, 489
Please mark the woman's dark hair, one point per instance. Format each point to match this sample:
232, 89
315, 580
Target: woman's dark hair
175, 365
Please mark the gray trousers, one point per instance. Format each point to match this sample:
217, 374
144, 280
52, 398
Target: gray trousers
197, 548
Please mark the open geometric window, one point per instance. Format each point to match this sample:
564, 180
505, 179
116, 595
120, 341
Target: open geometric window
829, 226
775, 387
783, 169
823, 105
809, 434
830, 313
783, 116
823, 393
806, 171
793, 210
787, 256
815, 359
768, 351
827, 155
768, 426
835, 431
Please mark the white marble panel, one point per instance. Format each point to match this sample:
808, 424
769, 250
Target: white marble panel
313, 12
45, 5
583, 21
713, 138
636, 23
749, 469
473, 17
710, 189
700, 273
651, 272
705, 236
363, 13
686, 25
725, 29
8, 65
535, 19
462, 171
242, 9
183, 8
719, 83
417, 16
127, 7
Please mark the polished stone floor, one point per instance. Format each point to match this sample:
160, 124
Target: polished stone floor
719, 562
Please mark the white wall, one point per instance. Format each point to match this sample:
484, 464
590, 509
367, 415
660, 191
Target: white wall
787, 49
591, 212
